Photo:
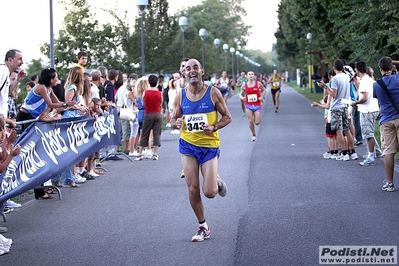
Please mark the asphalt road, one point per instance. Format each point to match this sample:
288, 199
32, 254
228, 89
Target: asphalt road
284, 201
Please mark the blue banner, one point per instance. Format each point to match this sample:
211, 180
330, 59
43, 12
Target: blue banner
47, 149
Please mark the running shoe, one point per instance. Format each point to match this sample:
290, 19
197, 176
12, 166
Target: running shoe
222, 187
354, 156
243, 114
5, 240
201, 235
327, 155
79, 179
367, 162
334, 156
253, 138
342, 157
182, 175
388, 186
12, 204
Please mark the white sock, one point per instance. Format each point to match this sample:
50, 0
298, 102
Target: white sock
371, 155
204, 225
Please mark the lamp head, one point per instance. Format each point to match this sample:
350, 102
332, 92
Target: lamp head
216, 42
202, 33
183, 23
309, 36
225, 47
142, 4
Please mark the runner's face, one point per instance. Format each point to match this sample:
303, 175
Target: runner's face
251, 76
193, 72
182, 68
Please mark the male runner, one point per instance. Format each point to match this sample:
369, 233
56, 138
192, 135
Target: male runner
195, 112
275, 80
252, 92
241, 81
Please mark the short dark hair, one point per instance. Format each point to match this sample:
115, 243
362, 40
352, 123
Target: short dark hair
81, 53
31, 84
112, 74
46, 76
339, 64
153, 80
33, 78
11, 54
134, 76
361, 66
386, 63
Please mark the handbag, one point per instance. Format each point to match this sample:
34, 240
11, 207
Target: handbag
127, 114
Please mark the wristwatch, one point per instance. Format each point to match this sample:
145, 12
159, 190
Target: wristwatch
65, 105
215, 128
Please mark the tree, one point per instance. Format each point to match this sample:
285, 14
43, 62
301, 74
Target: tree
81, 32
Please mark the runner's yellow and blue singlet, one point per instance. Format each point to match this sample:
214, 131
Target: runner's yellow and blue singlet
196, 115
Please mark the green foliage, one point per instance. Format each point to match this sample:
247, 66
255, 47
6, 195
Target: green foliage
352, 30
116, 44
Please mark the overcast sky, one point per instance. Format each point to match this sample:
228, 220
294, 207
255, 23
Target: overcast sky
29, 21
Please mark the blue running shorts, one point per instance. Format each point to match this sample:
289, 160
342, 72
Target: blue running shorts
253, 108
201, 154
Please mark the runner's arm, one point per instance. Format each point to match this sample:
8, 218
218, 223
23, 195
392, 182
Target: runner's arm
177, 120
221, 107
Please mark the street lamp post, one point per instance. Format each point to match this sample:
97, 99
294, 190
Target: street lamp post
225, 49
202, 34
232, 50
238, 66
183, 23
309, 36
51, 36
142, 4
216, 42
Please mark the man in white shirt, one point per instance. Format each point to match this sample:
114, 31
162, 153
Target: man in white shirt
12, 63
368, 109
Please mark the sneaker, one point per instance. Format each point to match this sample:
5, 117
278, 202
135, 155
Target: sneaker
134, 154
202, 234
7, 210
276, 111
87, 175
147, 154
342, 157
358, 142
175, 132
4, 249
168, 126
79, 179
222, 187
253, 138
327, 155
12, 204
182, 175
388, 186
243, 114
367, 162
5, 240
334, 156
3, 229
94, 173
354, 156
